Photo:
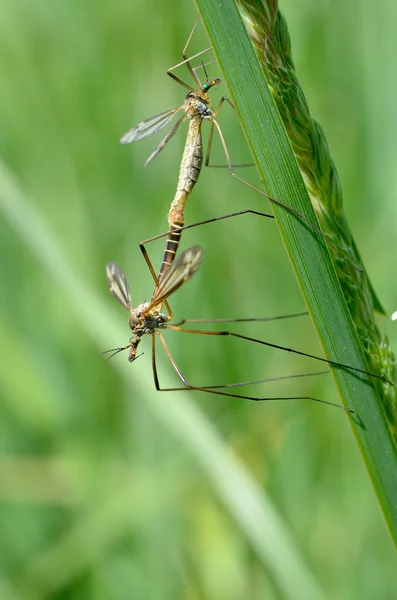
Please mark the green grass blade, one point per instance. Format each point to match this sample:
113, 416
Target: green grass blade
307, 251
269, 33
251, 509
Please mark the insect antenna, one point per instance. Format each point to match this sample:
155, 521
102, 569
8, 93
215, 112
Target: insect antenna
114, 350
205, 71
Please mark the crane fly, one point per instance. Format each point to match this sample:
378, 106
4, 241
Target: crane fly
148, 318
197, 107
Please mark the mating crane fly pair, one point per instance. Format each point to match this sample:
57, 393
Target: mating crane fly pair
148, 317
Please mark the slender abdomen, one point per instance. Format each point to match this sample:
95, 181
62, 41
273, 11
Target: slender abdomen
192, 161
173, 240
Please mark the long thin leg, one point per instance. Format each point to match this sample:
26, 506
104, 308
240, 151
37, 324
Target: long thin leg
180, 64
241, 320
210, 138
154, 366
156, 280
213, 390
205, 65
179, 230
153, 274
190, 37
172, 361
221, 102
182, 83
186, 61
278, 347
213, 220
255, 398
184, 55
214, 387
267, 380
230, 167
289, 208
190, 68
205, 222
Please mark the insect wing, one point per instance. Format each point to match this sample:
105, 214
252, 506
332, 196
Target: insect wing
149, 127
180, 271
165, 141
118, 284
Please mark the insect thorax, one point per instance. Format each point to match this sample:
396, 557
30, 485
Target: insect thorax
197, 104
142, 323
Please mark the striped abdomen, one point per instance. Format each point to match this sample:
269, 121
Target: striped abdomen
173, 240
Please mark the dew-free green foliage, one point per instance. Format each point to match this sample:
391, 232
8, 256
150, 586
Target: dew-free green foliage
268, 30
320, 287
107, 489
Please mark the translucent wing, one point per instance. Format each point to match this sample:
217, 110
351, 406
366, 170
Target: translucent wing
118, 284
150, 126
179, 272
165, 140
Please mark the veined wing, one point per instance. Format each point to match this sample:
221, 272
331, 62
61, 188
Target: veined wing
150, 126
167, 138
118, 284
181, 270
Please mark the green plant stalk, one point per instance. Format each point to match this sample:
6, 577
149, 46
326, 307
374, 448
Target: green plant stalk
269, 33
307, 250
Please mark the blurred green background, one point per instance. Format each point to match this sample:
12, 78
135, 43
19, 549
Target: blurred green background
107, 488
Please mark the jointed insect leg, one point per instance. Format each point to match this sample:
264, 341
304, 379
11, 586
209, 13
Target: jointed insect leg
210, 138
274, 201
242, 320
153, 273
206, 222
215, 389
355, 370
180, 229
190, 37
172, 361
186, 61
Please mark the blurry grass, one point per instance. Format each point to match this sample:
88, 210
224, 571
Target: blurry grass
76, 76
252, 511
